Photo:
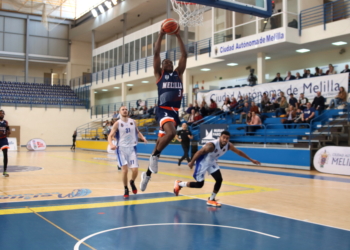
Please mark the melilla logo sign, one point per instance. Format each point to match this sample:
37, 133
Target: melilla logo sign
249, 42
333, 160
74, 194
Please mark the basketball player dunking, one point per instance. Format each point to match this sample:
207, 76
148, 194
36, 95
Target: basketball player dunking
4, 144
126, 133
206, 161
170, 92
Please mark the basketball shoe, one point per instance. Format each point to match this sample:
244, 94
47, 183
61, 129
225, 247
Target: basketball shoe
153, 164
144, 181
213, 203
126, 193
177, 188
133, 187
5, 174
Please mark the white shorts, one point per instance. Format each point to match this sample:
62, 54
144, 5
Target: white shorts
127, 156
203, 166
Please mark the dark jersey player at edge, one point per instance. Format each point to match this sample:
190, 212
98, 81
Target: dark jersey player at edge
4, 145
170, 92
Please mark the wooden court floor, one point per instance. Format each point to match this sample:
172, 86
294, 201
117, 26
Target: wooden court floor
59, 174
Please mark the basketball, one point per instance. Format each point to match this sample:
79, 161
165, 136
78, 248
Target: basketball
170, 26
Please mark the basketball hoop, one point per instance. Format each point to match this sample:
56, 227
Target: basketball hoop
190, 14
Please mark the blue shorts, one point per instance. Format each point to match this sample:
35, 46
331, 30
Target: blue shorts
4, 143
163, 116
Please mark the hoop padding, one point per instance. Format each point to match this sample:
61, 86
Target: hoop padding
190, 14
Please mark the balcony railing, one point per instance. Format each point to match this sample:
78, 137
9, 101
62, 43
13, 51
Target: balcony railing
323, 14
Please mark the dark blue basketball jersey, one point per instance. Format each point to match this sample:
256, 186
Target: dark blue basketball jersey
170, 91
3, 129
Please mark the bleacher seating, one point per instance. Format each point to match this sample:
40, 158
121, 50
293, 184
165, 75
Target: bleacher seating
37, 94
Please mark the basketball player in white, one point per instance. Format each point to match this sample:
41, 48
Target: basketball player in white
126, 133
206, 161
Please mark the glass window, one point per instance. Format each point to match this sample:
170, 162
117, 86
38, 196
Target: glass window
115, 57
222, 19
132, 51
111, 58
126, 58
106, 60
102, 62
137, 49
149, 45
120, 55
98, 67
143, 47
94, 64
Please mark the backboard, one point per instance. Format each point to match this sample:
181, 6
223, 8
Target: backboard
261, 8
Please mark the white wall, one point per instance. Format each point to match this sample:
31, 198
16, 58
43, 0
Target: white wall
81, 59
108, 97
55, 127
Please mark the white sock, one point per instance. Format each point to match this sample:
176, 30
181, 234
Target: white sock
212, 197
183, 184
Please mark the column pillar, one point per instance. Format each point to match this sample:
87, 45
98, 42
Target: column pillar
92, 97
124, 91
27, 52
168, 15
187, 85
261, 67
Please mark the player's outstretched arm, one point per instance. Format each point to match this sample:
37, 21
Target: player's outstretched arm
156, 59
111, 135
183, 59
208, 148
140, 135
242, 154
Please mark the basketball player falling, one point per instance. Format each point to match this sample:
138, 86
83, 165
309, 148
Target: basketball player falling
126, 133
170, 92
206, 161
4, 144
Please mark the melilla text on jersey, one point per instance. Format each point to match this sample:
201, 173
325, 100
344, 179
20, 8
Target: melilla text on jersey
172, 85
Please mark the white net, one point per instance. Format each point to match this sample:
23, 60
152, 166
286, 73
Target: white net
190, 14
58, 10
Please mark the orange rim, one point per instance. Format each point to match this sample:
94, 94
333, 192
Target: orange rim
185, 3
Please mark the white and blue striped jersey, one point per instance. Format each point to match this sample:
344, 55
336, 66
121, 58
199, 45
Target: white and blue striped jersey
213, 157
126, 134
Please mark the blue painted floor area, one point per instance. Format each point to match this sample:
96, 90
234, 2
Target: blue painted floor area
166, 225
307, 176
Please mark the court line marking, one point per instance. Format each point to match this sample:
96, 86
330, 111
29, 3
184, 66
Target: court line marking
77, 245
64, 231
183, 176
8, 211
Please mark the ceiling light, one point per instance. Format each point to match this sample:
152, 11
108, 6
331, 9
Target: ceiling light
114, 2
96, 92
267, 58
302, 50
145, 81
104, 90
108, 4
102, 10
130, 85
116, 87
339, 43
232, 64
205, 69
94, 12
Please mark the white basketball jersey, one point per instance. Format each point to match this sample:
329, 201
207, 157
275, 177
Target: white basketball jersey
126, 134
214, 156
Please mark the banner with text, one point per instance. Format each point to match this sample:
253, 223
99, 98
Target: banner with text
333, 160
210, 132
328, 85
250, 42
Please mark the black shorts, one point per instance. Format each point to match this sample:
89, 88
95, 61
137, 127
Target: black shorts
4, 143
163, 116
